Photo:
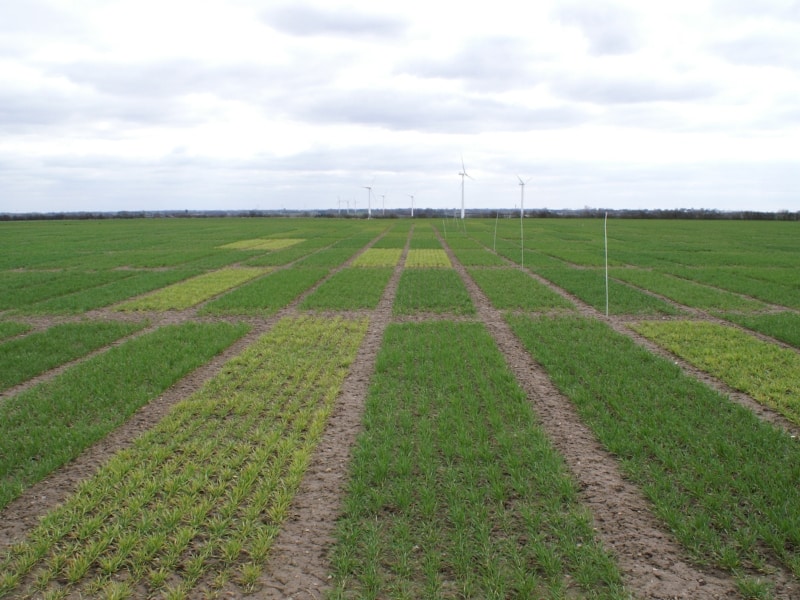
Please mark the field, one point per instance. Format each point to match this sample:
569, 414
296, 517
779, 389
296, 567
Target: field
302, 408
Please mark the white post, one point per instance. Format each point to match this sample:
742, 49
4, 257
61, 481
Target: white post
605, 237
496, 217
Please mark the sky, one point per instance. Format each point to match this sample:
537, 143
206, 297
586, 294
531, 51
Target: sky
124, 105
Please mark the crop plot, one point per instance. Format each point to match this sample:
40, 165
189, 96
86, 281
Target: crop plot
783, 326
774, 285
193, 291
262, 244
472, 257
432, 290
427, 258
688, 293
349, 289
512, 289
107, 294
47, 425
766, 372
379, 257
26, 357
682, 443
454, 489
589, 286
267, 295
196, 503
25, 288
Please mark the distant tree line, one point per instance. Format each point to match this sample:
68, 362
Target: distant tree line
420, 213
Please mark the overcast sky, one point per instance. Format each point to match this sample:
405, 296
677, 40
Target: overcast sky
238, 104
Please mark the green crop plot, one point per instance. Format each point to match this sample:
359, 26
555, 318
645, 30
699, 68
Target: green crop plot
33, 354
427, 258
454, 489
267, 295
50, 424
688, 293
766, 372
26, 288
724, 482
262, 244
193, 291
349, 289
774, 285
589, 286
512, 289
12, 328
472, 257
197, 502
432, 290
379, 257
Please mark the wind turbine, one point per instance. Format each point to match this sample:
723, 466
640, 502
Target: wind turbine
412, 204
369, 200
463, 174
522, 195
383, 199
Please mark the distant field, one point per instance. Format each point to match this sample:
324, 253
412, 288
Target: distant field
267, 334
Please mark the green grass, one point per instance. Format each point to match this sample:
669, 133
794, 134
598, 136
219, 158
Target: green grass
688, 293
44, 427
36, 353
589, 285
472, 257
774, 285
196, 503
766, 372
193, 291
784, 326
349, 289
24, 289
724, 482
330, 258
12, 328
454, 490
512, 289
267, 295
432, 290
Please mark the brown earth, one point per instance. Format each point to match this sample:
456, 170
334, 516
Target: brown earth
652, 562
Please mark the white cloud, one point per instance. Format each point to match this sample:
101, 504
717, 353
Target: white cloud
126, 104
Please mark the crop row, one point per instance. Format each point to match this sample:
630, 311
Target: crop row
196, 502
47, 425
724, 482
188, 293
427, 258
262, 244
454, 490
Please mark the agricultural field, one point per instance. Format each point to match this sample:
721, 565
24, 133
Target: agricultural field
397, 408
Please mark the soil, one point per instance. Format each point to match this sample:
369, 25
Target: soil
653, 564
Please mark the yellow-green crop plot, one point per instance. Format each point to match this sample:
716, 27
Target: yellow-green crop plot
262, 244
187, 293
379, 257
427, 257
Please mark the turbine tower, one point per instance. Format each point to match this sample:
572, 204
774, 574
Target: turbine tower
463, 174
412, 204
369, 200
522, 195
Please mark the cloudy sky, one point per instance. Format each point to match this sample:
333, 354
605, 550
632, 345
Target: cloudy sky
240, 104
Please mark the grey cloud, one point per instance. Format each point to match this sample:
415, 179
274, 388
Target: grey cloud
396, 110
610, 29
308, 21
498, 63
631, 90
763, 49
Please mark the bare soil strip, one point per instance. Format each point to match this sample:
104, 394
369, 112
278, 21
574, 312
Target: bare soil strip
299, 565
652, 561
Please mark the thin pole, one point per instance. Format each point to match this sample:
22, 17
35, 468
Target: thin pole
496, 217
521, 240
605, 237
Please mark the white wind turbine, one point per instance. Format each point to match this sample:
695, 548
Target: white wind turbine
412, 204
463, 174
369, 199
